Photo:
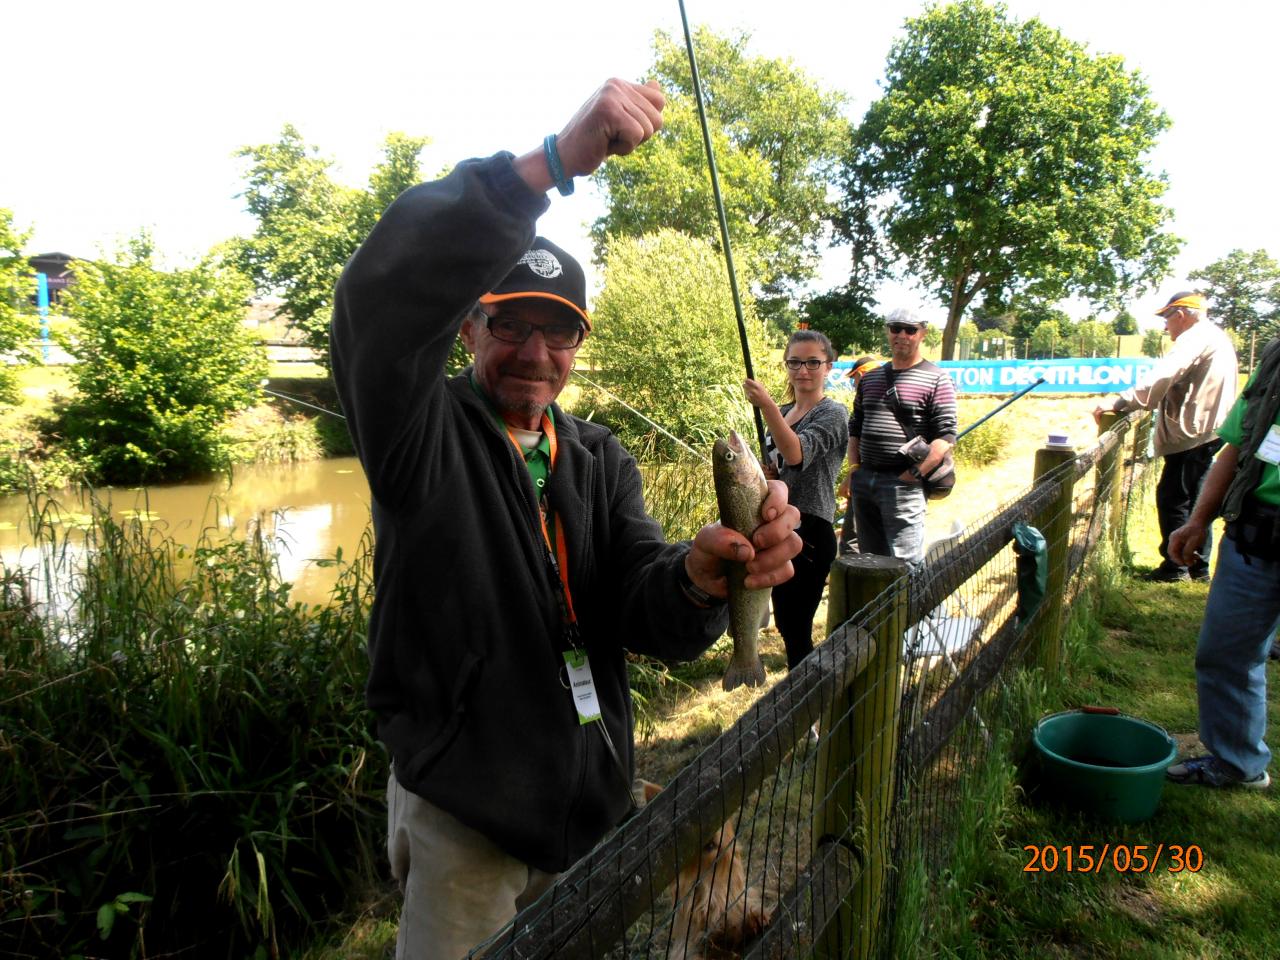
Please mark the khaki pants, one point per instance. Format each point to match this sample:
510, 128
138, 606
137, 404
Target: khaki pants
458, 887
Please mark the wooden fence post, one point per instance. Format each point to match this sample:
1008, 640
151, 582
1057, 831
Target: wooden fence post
854, 780
1055, 523
1109, 477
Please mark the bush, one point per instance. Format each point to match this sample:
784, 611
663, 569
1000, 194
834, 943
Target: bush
17, 325
985, 444
164, 358
189, 768
267, 434
27, 457
665, 326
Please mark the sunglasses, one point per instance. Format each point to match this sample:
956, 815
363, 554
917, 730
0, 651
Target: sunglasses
901, 328
813, 363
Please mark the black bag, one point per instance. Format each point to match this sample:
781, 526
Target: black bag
1256, 532
939, 481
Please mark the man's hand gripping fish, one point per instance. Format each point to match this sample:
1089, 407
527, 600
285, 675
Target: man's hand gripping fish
740, 492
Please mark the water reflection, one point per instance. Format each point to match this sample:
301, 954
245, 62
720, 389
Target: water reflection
309, 510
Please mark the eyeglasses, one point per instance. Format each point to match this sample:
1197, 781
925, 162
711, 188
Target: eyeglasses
557, 336
813, 363
901, 328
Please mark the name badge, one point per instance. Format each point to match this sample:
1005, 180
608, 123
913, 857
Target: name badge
1270, 449
582, 686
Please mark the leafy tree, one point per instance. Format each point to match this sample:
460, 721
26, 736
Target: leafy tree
1008, 159
1019, 318
163, 358
993, 317
1244, 289
848, 314
778, 139
1093, 338
665, 321
1154, 343
1046, 339
968, 339
16, 324
309, 225
847, 317
1124, 323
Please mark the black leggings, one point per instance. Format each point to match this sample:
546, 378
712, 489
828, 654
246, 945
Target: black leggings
796, 601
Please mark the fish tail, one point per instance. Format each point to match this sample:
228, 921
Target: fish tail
743, 671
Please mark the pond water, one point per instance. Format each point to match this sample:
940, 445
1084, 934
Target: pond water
309, 510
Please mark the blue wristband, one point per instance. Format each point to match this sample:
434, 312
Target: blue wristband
563, 184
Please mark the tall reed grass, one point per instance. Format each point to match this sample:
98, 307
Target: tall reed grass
680, 495
188, 765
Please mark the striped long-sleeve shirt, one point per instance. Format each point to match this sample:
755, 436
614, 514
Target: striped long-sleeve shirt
927, 399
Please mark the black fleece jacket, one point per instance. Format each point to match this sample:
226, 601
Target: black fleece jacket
465, 638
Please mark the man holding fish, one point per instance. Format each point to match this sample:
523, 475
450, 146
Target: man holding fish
515, 563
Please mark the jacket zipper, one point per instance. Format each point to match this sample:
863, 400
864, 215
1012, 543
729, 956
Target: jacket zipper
534, 528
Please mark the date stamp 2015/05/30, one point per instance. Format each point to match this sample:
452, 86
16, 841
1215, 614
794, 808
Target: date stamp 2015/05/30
1120, 857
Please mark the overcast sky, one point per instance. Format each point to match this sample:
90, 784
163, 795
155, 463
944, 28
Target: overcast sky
127, 115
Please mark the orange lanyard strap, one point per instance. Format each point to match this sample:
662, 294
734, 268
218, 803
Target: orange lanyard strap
557, 554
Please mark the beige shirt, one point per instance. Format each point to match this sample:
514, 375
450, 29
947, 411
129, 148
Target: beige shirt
1192, 387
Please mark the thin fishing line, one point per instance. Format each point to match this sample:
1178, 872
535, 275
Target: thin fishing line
658, 427
611, 396
284, 396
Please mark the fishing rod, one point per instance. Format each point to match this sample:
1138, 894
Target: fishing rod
991, 413
916, 450
724, 223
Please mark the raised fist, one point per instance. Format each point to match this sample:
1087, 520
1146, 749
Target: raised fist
619, 117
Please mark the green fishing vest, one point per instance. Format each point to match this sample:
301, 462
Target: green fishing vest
1262, 399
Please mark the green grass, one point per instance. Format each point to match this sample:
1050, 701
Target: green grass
1135, 652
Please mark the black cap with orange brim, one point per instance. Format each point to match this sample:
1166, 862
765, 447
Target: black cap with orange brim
545, 272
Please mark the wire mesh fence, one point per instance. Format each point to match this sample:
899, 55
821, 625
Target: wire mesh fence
789, 835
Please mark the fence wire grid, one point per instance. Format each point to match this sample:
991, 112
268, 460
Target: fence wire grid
788, 835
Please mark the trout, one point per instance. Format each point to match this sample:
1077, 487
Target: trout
740, 492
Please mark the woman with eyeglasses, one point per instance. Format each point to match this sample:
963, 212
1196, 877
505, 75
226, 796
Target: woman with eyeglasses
804, 448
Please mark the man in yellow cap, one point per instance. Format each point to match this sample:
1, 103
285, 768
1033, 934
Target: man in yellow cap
1191, 389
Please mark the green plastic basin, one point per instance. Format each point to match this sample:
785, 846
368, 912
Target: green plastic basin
1109, 766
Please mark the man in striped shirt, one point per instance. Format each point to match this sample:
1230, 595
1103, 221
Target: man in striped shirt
907, 393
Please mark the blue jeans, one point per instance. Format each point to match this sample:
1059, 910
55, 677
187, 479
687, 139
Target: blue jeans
1231, 658
889, 514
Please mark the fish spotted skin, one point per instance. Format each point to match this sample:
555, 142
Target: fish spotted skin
740, 492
